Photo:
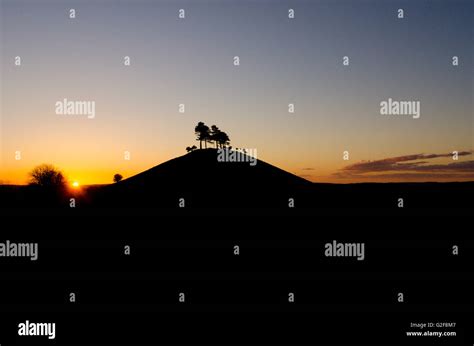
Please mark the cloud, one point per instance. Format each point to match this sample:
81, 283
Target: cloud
400, 163
308, 169
408, 167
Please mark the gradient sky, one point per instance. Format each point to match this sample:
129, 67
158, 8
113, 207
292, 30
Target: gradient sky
283, 61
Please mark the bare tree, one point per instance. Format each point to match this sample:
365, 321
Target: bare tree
47, 175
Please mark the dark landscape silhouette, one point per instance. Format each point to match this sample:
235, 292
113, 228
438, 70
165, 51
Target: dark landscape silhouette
199, 179
204, 182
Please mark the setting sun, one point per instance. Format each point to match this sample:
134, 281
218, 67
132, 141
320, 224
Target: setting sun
75, 184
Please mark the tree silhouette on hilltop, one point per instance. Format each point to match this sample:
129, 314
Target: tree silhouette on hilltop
202, 133
213, 134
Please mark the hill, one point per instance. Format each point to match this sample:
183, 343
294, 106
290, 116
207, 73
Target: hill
202, 180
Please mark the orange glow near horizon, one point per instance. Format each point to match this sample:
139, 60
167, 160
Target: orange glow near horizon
82, 175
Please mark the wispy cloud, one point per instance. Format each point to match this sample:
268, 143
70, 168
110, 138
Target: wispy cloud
411, 167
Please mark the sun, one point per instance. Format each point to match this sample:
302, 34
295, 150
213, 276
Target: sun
75, 184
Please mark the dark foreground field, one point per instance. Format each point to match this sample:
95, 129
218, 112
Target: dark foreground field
132, 299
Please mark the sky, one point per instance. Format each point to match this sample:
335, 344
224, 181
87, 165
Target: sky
282, 61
